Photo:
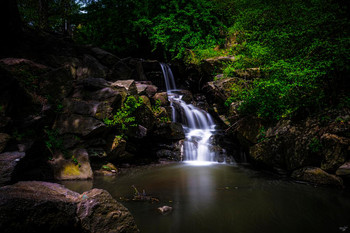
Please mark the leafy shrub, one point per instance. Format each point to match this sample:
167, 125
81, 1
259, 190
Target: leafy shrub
300, 48
123, 118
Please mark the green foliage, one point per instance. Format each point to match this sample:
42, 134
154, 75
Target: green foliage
49, 14
157, 111
52, 141
123, 118
156, 107
315, 145
300, 47
171, 28
75, 161
107, 168
262, 134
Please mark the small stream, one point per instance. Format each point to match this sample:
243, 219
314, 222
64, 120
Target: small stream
225, 198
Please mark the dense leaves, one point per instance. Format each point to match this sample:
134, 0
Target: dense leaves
169, 28
302, 48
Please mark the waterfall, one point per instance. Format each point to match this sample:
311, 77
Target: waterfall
198, 125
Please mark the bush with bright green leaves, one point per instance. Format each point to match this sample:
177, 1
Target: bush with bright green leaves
123, 118
302, 50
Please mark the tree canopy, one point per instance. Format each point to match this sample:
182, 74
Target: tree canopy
301, 47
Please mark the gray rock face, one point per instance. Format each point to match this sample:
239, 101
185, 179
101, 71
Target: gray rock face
47, 207
8, 162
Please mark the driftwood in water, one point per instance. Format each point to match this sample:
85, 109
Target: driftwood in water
143, 196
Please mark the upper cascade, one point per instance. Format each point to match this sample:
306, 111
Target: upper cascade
198, 125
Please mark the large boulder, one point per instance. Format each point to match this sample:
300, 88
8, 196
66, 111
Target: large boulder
77, 167
80, 125
129, 85
162, 98
169, 131
335, 151
35, 206
8, 162
38, 207
317, 176
99, 212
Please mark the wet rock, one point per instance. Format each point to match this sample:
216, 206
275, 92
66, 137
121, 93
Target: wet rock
75, 168
317, 176
248, 130
146, 101
166, 154
8, 162
129, 85
145, 117
99, 212
4, 138
141, 88
47, 207
151, 90
335, 150
165, 209
117, 148
344, 170
77, 124
169, 131
107, 170
162, 97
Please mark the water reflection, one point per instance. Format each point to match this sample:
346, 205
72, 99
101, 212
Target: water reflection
223, 198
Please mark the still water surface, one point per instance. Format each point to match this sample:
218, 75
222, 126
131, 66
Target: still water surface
226, 199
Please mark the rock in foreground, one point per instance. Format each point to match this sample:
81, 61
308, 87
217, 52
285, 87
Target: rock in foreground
47, 207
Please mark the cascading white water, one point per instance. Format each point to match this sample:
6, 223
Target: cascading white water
198, 125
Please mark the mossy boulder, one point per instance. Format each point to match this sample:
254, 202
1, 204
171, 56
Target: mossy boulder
74, 168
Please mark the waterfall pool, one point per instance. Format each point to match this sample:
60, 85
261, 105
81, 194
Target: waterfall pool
225, 199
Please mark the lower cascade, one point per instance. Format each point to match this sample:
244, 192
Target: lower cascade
198, 125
